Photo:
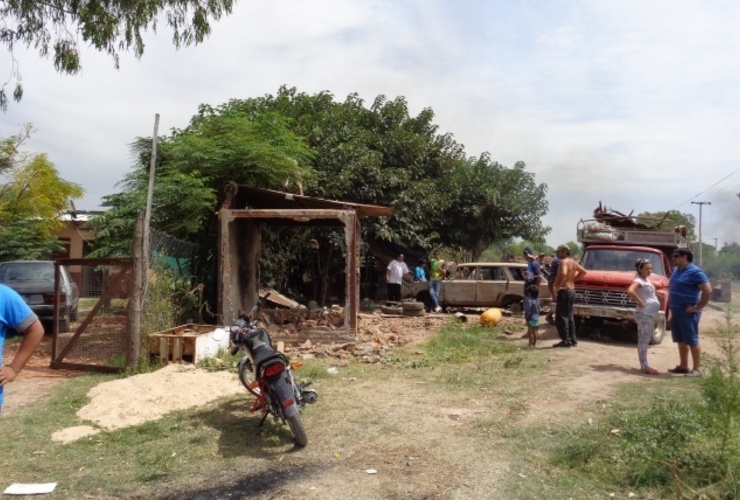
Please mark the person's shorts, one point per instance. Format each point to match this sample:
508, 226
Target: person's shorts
533, 322
685, 329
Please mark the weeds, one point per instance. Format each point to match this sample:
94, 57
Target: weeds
680, 445
457, 343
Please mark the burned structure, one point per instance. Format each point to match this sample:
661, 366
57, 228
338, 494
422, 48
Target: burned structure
247, 210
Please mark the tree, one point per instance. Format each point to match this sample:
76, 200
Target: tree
672, 219
490, 204
194, 166
112, 26
31, 201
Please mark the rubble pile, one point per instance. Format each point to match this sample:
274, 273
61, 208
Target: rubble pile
376, 334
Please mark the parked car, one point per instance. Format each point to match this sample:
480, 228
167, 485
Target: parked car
34, 281
480, 284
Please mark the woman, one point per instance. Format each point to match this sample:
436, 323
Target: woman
648, 307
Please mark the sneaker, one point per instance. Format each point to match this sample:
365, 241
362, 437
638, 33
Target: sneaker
437, 309
650, 371
693, 373
574, 343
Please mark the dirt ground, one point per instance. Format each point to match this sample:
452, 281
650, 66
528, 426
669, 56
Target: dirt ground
604, 364
406, 444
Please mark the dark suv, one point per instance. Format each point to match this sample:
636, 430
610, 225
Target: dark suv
34, 281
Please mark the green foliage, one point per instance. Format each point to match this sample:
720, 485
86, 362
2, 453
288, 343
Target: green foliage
492, 203
458, 343
681, 445
59, 26
170, 301
30, 201
722, 264
673, 218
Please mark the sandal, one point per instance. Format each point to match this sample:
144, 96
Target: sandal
678, 369
650, 371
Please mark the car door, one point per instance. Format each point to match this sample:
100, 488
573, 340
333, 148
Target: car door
459, 291
490, 286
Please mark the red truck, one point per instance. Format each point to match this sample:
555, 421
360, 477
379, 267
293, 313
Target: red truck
610, 249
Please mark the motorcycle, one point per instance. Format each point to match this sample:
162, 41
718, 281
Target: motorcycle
268, 375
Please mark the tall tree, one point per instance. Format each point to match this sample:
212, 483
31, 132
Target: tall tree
111, 26
31, 201
492, 203
194, 166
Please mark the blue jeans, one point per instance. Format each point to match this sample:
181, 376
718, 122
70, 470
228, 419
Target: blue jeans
434, 288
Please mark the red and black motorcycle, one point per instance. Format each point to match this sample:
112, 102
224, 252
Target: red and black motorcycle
268, 375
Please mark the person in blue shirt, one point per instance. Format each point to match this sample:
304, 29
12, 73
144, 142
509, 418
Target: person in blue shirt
420, 273
532, 313
15, 314
534, 273
688, 293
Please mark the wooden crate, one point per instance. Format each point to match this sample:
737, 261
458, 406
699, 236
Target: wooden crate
177, 345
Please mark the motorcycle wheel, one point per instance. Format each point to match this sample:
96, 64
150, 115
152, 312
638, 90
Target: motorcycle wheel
245, 377
296, 427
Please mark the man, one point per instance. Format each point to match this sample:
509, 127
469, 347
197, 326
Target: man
394, 274
565, 283
534, 272
554, 264
14, 313
437, 272
688, 293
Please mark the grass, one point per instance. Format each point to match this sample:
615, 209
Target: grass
449, 419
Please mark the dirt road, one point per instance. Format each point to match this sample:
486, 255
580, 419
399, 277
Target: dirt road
592, 369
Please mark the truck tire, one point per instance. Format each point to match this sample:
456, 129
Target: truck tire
658, 331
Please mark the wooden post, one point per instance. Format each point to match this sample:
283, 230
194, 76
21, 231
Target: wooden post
135, 301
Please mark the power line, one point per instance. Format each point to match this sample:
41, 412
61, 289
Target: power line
707, 189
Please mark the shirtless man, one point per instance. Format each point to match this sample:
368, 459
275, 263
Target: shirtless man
568, 272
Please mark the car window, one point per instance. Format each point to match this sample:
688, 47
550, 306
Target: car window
464, 273
517, 273
27, 272
486, 273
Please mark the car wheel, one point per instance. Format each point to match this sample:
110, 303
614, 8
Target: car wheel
64, 321
426, 298
658, 331
516, 307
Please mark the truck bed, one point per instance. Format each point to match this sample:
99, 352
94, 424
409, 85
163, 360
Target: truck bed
592, 231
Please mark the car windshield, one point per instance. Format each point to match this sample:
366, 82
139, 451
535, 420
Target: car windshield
31, 272
608, 259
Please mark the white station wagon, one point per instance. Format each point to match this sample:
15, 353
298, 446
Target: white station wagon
480, 284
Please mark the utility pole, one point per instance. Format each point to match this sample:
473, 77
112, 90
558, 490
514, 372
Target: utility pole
715, 245
701, 204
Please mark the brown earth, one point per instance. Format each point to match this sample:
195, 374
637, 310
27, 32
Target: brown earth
595, 367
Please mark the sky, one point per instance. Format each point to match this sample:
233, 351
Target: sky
631, 104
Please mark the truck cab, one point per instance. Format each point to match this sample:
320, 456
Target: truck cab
609, 256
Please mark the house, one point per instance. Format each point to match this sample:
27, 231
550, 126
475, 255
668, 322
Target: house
76, 236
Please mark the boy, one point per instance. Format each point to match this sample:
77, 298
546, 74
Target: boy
532, 313
14, 313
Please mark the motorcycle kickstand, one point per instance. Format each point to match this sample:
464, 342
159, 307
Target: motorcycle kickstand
263, 419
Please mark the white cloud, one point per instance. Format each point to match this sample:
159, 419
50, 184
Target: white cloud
630, 103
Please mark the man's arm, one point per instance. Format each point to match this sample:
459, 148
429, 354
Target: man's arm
706, 292
31, 339
580, 274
